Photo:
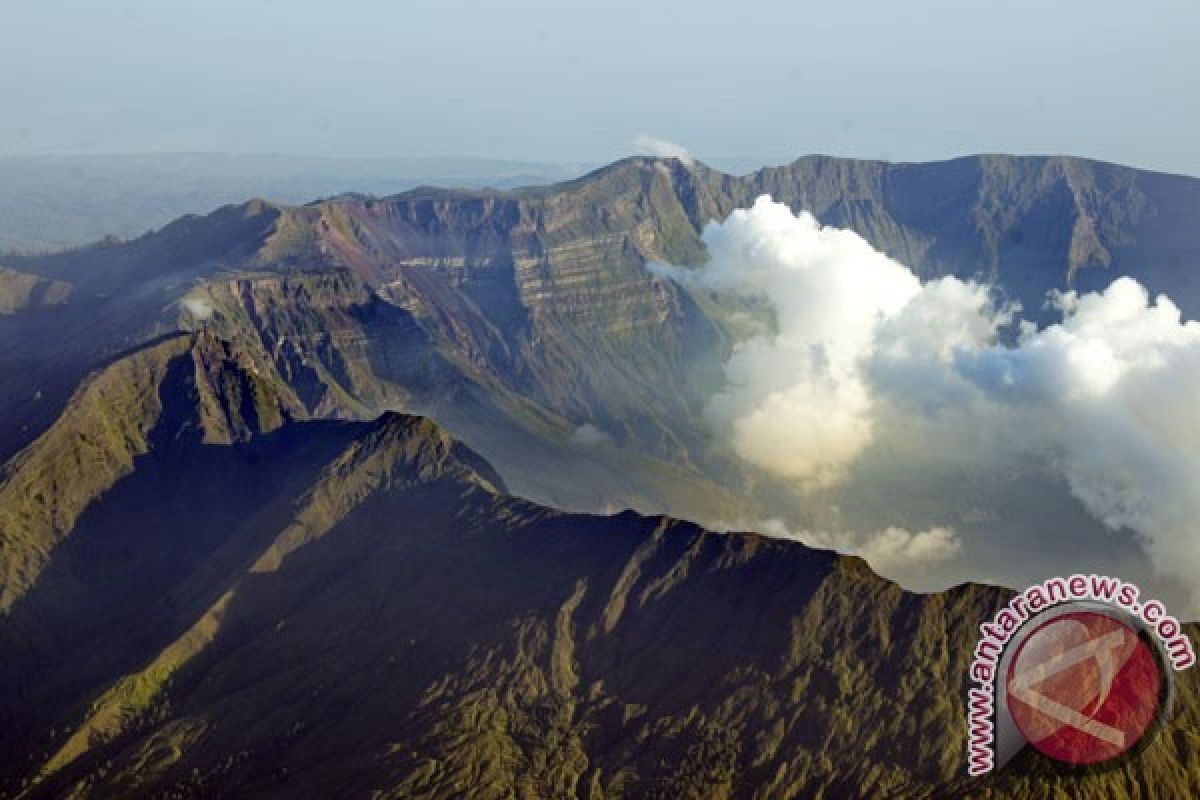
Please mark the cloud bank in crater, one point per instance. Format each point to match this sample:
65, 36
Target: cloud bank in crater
1107, 396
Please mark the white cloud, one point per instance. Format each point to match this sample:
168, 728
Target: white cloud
1108, 397
798, 401
893, 551
1115, 389
588, 435
198, 306
644, 144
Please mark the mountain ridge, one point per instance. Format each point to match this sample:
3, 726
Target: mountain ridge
527, 322
388, 622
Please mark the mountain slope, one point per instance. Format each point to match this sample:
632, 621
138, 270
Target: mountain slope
321, 609
19, 291
542, 293
111, 421
526, 323
125, 520
121, 296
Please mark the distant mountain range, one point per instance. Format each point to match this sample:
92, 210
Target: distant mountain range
230, 567
52, 202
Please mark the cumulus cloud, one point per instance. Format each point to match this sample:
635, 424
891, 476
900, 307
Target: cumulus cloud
797, 401
1115, 388
1107, 397
893, 551
644, 144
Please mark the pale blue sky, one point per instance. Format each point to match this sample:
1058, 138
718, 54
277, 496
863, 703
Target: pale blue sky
564, 81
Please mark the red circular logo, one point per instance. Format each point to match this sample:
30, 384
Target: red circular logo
1084, 687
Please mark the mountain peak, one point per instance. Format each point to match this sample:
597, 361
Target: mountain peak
184, 387
416, 448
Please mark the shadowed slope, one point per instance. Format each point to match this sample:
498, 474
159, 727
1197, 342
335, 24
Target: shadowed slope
356, 609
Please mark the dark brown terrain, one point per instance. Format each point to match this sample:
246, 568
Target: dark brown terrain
280, 510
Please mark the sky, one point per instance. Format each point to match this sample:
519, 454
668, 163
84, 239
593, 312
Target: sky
565, 81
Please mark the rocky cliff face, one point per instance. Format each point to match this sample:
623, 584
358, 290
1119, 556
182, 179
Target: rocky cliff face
344, 350
526, 323
545, 291
542, 293
1029, 223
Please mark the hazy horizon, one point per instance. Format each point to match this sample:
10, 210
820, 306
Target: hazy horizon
565, 170
540, 82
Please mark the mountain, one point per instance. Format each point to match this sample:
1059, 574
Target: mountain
19, 292
243, 602
525, 322
292, 499
52, 202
